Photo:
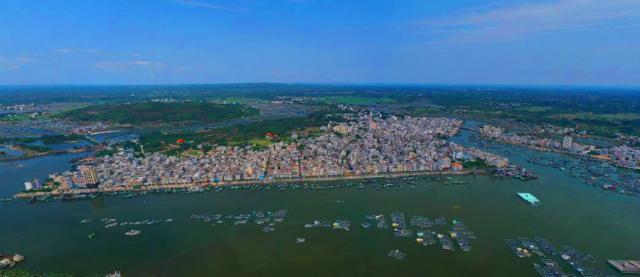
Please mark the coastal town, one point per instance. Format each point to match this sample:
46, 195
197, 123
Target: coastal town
623, 155
367, 144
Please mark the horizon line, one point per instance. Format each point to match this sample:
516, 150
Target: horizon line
362, 84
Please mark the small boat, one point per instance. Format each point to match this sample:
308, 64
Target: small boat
300, 240
397, 254
91, 236
132, 233
113, 224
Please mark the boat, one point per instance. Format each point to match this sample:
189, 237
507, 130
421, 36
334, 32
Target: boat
114, 274
300, 240
397, 254
113, 224
529, 198
132, 233
625, 266
91, 236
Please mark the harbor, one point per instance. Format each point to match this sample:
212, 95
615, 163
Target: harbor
487, 206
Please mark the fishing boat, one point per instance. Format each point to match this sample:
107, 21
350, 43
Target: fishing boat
132, 233
397, 254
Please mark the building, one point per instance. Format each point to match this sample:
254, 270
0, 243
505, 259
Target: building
32, 185
89, 174
341, 128
66, 182
28, 186
491, 131
567, 141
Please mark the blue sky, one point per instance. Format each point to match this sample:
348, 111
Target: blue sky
542, 42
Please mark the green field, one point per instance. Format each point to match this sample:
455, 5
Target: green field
155, 112
359, 100
14, 118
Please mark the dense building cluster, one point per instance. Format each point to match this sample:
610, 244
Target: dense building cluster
566, 144
368, 144
625, 156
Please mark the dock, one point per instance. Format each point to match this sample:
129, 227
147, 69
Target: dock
625, 266
529, 198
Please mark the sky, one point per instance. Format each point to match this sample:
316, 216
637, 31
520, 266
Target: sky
494, 42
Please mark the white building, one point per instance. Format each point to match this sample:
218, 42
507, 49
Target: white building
567, 141
33, 184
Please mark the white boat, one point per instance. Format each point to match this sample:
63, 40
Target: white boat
132, 233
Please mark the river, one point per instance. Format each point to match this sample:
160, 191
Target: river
50, 235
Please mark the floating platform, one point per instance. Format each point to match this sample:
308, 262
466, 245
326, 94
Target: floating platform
529, 198
626, 266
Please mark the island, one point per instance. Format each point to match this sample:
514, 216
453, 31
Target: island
366, 145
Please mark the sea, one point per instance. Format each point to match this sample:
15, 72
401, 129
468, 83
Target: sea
602, 224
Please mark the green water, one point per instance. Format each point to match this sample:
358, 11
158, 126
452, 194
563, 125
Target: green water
591, 220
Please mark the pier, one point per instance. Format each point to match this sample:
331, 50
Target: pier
626, 266
71, 192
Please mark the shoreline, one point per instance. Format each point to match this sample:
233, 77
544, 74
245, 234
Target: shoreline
45, 154
151, 188
559, 151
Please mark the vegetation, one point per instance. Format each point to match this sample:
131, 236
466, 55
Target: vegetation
359, 100
252, 134
159, 112
14, 117
476, 164
57, 139
24, 273
34, 148
105, 152
602, 112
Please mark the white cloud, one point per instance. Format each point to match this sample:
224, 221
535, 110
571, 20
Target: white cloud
15, 63
64, 50
76, 51
532, 18
129, 65
210, 5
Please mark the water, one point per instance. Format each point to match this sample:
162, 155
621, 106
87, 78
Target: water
115, 137
10, 152
591, 220
61, 146
14, 173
